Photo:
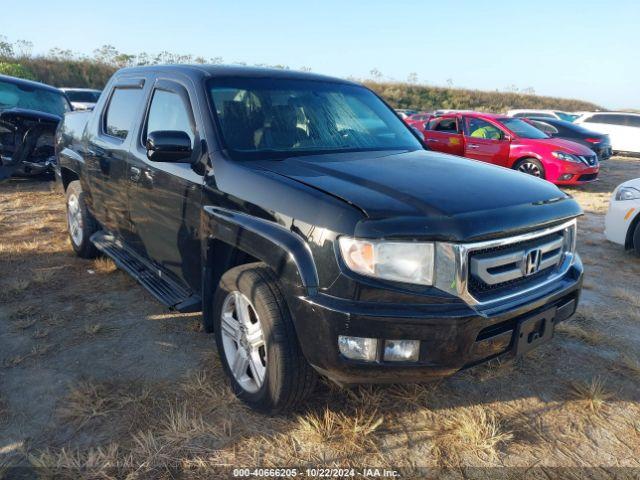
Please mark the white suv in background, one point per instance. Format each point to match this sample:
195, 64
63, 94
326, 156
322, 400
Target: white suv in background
623, 128
526, 113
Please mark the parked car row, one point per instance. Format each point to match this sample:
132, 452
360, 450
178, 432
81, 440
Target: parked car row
513, 143
623, 128
605, 132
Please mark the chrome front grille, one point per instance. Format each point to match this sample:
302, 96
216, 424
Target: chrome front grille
492, 271
590, 160
513, 265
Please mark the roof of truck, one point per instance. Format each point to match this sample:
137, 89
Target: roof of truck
234, 71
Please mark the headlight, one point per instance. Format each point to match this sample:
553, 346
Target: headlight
566, 157
628, 193
408, 262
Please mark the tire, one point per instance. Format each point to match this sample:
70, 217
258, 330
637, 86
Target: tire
636, 239
530, 166
80, 223
271, 377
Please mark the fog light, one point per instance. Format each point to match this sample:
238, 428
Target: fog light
358, 348
401, 350
566, 176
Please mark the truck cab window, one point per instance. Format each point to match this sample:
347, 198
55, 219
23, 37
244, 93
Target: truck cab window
169, 112
121, 111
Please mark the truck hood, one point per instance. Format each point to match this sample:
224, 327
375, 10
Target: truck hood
422, 192
560, 144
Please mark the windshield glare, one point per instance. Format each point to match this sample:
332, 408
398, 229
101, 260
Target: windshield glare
523, 129
32, 98
265, 117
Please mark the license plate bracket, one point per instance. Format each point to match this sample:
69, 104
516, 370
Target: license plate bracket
534, 331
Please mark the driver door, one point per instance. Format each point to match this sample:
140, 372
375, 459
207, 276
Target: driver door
165, 197
485, 141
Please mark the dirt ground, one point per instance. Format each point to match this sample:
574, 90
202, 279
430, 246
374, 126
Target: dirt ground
97, 380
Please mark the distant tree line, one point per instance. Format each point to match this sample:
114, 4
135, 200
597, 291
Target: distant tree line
64, 68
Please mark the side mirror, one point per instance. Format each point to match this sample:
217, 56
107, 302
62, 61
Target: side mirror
506, 137
168, 146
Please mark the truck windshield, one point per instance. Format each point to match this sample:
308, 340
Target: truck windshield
14, 95
522, 129
276, 118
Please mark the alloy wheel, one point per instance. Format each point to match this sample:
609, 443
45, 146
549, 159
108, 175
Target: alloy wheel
243, 341
74, 218
531, 169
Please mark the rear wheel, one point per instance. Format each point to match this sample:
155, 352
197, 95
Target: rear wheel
80, 222
530, 166
257, 342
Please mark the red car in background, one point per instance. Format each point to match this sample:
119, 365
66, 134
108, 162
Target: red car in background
418, 120
512, 143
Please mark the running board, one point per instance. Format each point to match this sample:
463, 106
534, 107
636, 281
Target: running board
157, 282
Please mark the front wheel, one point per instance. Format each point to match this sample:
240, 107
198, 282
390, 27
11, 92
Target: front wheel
530, 166
257, 342
636, 239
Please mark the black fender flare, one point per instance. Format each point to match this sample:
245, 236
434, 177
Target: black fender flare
285, 252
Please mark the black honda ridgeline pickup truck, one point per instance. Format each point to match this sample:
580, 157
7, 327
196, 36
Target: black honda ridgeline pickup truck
313, 229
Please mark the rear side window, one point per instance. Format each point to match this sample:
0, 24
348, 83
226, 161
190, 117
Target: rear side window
545, 127
448, 125
169, 112
633, 121
608, 119
121, 111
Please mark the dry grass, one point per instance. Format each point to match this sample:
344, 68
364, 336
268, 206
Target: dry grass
95, 329
86, 402
350, 433
584, 333
104, 265
38, 350
630, 364
593, 394
468, 434
627, 295
99, 306
95, 463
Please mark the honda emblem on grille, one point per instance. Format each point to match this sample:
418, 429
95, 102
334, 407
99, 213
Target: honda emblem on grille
531, 262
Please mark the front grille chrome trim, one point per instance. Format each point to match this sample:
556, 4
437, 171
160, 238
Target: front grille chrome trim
481, 266
453, 264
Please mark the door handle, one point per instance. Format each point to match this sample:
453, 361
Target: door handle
431, 140
473, 146
134, 174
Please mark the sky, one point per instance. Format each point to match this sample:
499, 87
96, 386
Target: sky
577, 49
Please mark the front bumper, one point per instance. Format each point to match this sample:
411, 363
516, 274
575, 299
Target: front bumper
575, 174
619, 219
452, 335
603, 152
